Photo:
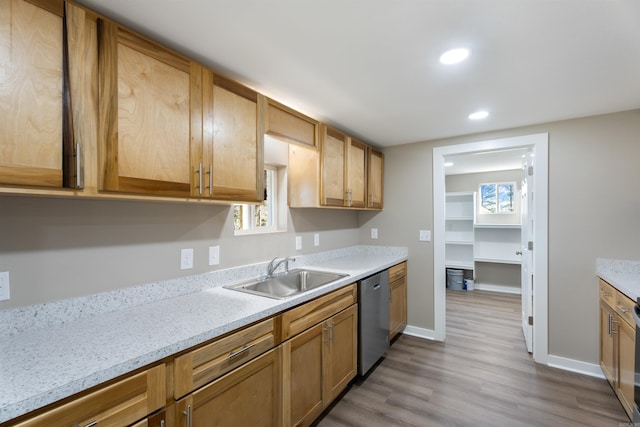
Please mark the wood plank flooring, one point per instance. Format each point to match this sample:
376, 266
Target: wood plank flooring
481, 376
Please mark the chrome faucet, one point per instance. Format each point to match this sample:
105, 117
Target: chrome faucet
273, 265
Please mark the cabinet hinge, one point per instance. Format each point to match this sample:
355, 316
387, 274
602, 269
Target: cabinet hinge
530, 245
530, 171
530, 320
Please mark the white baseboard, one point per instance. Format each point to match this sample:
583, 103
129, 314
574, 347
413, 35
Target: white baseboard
572, 365
414, 331
498, 288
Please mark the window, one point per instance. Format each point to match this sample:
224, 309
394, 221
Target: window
497, 197
264, 217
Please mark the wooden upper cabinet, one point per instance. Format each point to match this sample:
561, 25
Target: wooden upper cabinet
333, 165
287, 124
36, 133
145, 118
375, 179
233, 135
356, 174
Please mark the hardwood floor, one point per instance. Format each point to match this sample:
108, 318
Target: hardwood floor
481, 376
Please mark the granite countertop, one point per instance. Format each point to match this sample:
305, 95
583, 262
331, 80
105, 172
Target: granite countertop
42, 363
624, 275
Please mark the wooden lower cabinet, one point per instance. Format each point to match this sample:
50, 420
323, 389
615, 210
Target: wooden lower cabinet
247, 396
617, 343
318, 364
118, 404
156, 420
398, 299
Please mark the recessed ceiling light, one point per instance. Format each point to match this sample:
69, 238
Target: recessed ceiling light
448, 164
478, 115
454, 56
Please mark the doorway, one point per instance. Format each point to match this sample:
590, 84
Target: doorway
537, 266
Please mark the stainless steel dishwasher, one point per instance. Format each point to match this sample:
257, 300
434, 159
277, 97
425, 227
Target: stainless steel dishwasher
373, 320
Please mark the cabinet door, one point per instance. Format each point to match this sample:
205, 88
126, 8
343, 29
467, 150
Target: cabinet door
302, 368
31, 96
397, 306
285, 123
333, 167
233, 140
626, 364
356, 174
608, 343
342, 352
375, 179
248, 396
145, 101
156, 420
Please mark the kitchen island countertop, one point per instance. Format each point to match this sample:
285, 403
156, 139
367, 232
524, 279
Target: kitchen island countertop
41, 365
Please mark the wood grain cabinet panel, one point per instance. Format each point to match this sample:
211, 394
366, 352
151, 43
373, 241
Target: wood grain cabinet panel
247, 396
356, 174
31, 93
301, 318
333, 165
119, 404
289, 125
318, 364
398, 299
145, 114
204, 364
233, 137
375, 179
617, 344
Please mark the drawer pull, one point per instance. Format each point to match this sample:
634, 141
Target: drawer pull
622, 309
242, 350
187, 413
91, 424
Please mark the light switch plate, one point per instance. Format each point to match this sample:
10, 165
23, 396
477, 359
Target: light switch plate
186, 259
298, 243
425, 235
374, 233
316, 239
214, 255
4, 286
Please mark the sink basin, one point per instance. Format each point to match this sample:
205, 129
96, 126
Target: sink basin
287, 284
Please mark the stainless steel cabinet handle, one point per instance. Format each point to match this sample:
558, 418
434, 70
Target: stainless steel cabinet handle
613, 322
162, 423
91, 424
239, 352
199, 172
333, 331
376, 286
327, 329
188, 414
79, 170
518, 252
210, 187
622, 309
609, 325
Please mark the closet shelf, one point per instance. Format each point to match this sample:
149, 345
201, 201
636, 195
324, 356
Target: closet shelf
499, 260
497, 226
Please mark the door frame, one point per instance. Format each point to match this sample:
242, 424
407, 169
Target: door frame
540, 145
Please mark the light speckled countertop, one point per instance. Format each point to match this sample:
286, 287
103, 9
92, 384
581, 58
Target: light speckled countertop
43, 361
624, 275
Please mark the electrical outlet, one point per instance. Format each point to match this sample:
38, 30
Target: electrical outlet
425, 235
374, 233
298, 243
316, 239
4, 286
214, 255
186, 259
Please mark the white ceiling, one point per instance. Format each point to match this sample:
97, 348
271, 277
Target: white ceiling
370, 67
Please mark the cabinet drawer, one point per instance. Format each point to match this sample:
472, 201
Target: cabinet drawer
118, 404
607, 293
624, 306
305, 316
397, 271
203, 365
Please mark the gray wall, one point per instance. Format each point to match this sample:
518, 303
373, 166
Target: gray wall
61, 248
594, 211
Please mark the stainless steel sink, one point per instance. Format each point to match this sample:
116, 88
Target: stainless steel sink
287, 284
